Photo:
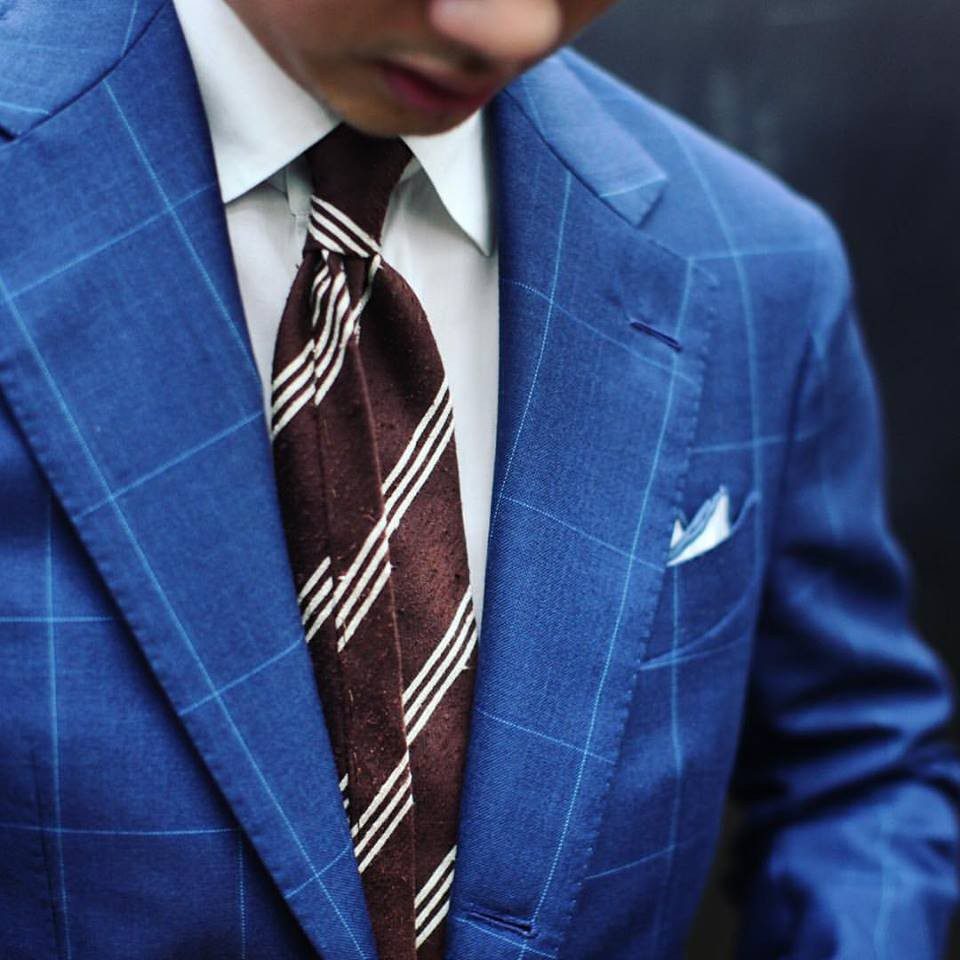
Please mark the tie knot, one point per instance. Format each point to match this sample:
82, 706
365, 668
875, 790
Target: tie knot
353, 177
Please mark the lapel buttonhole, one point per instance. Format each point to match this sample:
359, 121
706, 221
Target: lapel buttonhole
672, 342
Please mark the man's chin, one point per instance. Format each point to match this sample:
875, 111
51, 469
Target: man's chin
393, 121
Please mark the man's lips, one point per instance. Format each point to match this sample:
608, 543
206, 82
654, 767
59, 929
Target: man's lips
423, 89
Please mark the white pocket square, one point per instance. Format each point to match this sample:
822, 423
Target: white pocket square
708, 529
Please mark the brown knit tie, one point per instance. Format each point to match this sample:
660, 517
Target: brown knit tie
367, 473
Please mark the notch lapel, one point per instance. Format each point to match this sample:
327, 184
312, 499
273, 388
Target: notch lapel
597, 411
123, 356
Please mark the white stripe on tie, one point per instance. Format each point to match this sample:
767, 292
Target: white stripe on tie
382, 822
466, 632
434, 923
318, 294
367, 568
325, 224
349, 326
327, 242
378, 559
322, 568
375, 590
316, 600
446, 414
380, 525
306, 589
451, 677
292, 410
378, 566
423, 478
385, 836
434, 877
425, 421
280, 400
291, 367
320, 620
435, 900
347, 222
438, 649
424, 915
331, 228
383, 791
308, 374
323, 274
335, 306
329, 348
307, 380
394, 522
327, 303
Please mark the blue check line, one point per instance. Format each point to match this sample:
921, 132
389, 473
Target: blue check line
169, 464
212, 288
97, 832
47, 48
107, 244
768, 440
678, 761
633, 187
130, 22
534, 113
636, 354
306, 883
692, 649
583, 533
24, 108
543, 736
749, 322
734, 445
547, 323
216, 694
734, 253
640, 861
57, 619
55, 731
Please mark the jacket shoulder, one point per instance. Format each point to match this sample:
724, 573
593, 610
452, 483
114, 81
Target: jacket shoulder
722, 209
736, 196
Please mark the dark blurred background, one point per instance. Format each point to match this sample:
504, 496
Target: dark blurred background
855, 103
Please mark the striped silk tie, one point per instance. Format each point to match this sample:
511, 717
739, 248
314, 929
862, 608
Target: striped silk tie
366, 468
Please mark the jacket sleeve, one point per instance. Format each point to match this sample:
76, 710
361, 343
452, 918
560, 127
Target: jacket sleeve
848, 785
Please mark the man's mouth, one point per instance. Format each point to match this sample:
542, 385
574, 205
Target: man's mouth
424, 88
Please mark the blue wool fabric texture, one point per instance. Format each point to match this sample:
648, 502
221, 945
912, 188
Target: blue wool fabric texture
673, 321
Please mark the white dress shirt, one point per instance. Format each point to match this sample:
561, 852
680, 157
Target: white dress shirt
439, 231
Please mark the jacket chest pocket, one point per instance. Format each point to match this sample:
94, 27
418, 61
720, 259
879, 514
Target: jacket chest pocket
704, 598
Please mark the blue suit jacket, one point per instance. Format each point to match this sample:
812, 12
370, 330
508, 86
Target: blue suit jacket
672, 321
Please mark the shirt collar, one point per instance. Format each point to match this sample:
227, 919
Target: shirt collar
260, 120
